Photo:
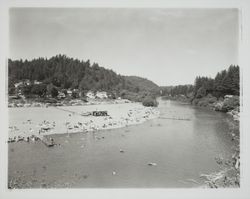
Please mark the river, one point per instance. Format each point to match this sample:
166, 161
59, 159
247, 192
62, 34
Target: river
181, 145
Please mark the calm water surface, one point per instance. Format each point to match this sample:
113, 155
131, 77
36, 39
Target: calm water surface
182, 149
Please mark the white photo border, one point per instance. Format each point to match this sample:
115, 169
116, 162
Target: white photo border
244, 61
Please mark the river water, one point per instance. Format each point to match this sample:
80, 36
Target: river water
183, 143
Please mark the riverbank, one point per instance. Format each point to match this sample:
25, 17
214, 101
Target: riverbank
35, 122
229, 104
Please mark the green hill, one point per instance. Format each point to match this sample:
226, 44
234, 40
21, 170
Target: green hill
142, 83
61, 72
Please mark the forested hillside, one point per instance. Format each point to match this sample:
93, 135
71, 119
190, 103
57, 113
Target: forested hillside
142, 83
62, 72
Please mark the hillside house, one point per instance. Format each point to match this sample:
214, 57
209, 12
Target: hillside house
101, 94
26, 82
90, 94
228, 96
69, 92
22, 83
37, 82
61, 95
18, 84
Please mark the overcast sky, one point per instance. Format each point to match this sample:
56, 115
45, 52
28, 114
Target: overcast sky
167, 46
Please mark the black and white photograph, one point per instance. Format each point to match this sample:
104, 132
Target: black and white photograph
124, 98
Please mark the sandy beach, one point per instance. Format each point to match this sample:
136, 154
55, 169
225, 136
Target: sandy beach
40, 121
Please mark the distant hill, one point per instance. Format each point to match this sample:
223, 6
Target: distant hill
142, 83
62, 72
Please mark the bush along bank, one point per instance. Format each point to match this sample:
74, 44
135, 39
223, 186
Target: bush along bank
229, 104
150, 101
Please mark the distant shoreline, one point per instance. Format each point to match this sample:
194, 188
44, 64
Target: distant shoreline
34, 102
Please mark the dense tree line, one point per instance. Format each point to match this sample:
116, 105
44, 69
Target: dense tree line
61, 73
181, 90
226, 82
185, 90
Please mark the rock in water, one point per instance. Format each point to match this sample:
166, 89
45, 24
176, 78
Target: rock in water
121, 151
152, 164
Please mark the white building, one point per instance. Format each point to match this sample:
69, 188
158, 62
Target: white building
22, 83
37, 82
26, 82
61, 95
18, 84
101, 94
228, 96
90, 94
69, 92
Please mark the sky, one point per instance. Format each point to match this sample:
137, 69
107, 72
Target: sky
167, 46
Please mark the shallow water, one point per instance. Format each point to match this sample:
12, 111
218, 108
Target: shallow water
183, 142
